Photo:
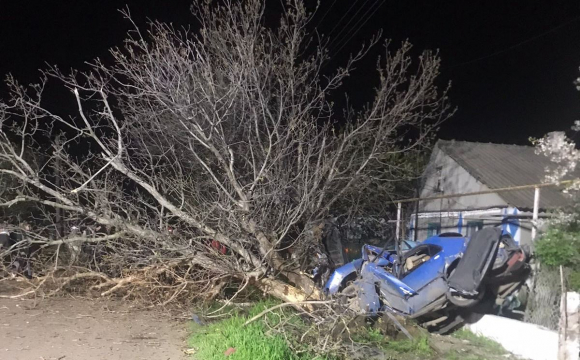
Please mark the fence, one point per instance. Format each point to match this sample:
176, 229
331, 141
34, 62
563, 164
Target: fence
543, 305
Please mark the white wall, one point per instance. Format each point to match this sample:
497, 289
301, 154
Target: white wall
454, 180
446, 174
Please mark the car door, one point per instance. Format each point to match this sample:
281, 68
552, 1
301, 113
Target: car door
425, 273
475, 262
394, 292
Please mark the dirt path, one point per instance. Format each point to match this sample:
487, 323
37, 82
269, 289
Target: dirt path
71, 329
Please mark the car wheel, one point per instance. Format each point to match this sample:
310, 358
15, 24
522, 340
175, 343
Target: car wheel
346, 282
462, 301
347, 295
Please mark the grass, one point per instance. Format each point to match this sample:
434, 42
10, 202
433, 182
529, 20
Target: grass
418, 346
251, 342
459, 356
255, 341
480, 341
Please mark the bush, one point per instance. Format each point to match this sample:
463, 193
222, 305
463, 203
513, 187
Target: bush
560, 246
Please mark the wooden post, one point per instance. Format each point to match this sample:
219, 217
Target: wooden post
398, 228
535, 213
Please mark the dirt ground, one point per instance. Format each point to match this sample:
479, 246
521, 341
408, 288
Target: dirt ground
80, 329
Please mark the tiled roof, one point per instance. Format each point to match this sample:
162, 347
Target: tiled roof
499, 166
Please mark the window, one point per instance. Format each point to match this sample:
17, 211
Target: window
473, 227
433, 229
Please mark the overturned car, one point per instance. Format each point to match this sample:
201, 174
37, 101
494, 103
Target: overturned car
438, 282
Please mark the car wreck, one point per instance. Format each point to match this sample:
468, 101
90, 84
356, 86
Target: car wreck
438, 282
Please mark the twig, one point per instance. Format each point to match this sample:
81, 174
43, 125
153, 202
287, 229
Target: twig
18, 296
398, 324
239, 304
227, 302
177, 292
76, 277
310, 302
119, 285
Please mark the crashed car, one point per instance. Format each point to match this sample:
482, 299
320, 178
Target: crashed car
436, 282
345, 274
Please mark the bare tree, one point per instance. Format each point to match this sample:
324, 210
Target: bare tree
227, 134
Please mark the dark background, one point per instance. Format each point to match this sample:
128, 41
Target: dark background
512, 63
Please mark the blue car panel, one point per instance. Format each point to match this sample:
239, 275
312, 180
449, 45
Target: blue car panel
398, 287
424, 274
335, 281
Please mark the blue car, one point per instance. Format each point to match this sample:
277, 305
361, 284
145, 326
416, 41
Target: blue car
439, 275
345, 274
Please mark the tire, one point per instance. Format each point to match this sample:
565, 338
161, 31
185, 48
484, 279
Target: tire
347, 281
461, 301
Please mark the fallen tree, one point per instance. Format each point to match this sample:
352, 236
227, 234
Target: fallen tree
227, 134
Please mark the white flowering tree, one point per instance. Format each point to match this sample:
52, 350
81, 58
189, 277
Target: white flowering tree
563, 153
559, 244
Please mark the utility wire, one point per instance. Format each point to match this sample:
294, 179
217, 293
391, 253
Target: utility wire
342, 18
365, 21
326, 13
345, 27
516, 45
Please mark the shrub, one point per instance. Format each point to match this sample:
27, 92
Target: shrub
560, 246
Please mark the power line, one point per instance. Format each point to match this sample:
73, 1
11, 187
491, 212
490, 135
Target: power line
516, 45
326, 13
365, 21
342, 18
345, 27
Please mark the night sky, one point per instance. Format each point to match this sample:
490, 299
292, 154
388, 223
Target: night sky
511, 63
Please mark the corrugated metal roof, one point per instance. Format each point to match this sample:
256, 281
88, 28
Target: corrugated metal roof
499, 165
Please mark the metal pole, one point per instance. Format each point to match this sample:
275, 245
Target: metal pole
416, 232
418, 194
397, 239
535, 213
398, 228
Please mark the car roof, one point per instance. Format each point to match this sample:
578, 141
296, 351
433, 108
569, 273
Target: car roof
438, 239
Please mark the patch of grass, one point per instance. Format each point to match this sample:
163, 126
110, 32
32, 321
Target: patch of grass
369, 335
480, 341
455, 355
257, 341
418, 346
251, 342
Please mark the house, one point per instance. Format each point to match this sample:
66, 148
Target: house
459, 167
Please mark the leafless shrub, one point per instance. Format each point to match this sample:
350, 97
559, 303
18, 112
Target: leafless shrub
225, 134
